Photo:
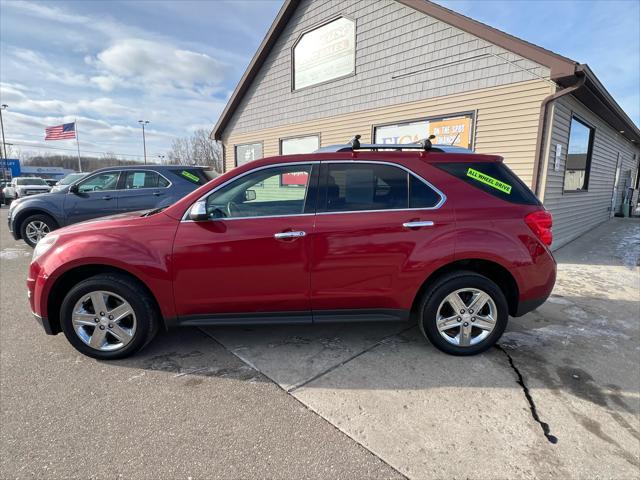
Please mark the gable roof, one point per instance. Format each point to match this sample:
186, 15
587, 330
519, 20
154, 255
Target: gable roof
564, 71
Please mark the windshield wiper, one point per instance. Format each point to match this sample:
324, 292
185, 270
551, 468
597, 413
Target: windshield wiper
152, 212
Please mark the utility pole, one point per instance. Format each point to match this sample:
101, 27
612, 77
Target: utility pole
144, 141
5, 165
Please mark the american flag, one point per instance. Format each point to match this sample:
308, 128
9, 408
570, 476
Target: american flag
60, 132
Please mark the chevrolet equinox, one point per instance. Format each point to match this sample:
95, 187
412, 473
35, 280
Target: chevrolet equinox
451, 239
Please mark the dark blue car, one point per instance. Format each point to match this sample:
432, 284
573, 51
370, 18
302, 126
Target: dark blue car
107, 191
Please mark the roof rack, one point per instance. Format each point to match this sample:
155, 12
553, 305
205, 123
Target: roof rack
422, 145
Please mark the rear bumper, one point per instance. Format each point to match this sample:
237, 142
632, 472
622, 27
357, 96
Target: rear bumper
44, 322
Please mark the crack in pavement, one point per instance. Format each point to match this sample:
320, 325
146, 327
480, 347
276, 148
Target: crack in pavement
532, 406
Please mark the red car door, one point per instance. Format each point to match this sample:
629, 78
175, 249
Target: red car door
250, 259
378, 229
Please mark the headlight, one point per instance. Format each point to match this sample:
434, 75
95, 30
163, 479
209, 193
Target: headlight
43, 246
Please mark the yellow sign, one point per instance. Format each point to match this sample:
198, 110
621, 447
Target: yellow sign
451, 131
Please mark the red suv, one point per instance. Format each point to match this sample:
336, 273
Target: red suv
441, 235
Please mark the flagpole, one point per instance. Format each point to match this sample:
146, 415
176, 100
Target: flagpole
78, 145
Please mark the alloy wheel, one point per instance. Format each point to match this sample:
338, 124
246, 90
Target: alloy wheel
36, 230
466, 317
104, 321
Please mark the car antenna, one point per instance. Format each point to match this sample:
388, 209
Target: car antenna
455, 138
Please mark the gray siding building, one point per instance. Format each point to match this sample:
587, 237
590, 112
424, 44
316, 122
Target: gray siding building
395, 71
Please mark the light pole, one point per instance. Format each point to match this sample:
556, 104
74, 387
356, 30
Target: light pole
4, 144
144, 141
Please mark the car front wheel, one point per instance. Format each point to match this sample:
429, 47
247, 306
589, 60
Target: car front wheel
464, 313
35, 227
108, 316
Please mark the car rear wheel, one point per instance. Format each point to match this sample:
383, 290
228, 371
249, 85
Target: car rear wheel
35, 227
109, 316
464, 313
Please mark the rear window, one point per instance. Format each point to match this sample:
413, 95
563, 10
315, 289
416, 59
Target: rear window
494, 178
193, 175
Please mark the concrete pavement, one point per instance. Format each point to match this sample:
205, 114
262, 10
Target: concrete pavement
183, 408
430, 415
343, 401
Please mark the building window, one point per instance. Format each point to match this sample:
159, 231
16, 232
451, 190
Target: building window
578, 164
297, 145
325, 53
449, 130
248, 152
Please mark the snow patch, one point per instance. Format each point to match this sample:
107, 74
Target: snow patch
13, 253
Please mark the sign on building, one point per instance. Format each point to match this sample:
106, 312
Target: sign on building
454, 130
325, 53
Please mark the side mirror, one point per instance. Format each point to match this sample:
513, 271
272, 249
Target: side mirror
74, 188
198, 212
249, 195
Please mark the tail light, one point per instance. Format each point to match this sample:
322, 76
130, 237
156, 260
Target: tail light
540, 223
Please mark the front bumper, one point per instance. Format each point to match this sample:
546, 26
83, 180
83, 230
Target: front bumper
44, 322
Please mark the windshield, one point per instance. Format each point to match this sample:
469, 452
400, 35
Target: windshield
30, 181
69, 179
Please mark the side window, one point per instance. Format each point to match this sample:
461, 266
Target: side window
163, 182
101, 181
576, 171
266, 192
421, 195
365, 186
144, 179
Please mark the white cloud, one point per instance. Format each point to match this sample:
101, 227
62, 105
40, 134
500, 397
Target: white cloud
137, 61
21, 99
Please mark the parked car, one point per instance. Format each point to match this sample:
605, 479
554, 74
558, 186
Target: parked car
51, 181
453, 240
104, 192
23, 187
68, 180
2, 185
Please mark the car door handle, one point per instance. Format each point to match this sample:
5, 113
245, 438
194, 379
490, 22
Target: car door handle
107, 197
418, 224
157, 194
285, 235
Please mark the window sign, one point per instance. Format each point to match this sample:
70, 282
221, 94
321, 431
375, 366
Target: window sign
294, 179
138, 179
325, 53
248, 153
455, 130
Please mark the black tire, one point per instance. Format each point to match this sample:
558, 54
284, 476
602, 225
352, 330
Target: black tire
146, 313
39, 217
447, 284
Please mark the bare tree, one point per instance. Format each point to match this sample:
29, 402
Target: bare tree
180, 153
198, 149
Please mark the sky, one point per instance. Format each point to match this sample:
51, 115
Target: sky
108, 64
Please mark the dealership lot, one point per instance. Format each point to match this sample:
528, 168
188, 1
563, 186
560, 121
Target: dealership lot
345, 401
